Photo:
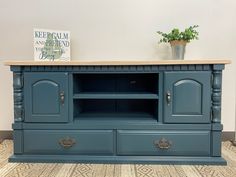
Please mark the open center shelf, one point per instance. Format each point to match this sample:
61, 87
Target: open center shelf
116, 83
116, 97
107, 109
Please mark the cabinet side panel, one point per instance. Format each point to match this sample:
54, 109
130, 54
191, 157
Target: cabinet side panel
216, 143
18, 141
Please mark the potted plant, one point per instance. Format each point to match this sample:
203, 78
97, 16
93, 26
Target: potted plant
178, 40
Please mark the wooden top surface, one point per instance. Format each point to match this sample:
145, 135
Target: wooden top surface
111, 62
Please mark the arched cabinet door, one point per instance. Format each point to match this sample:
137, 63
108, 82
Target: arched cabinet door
187, 97
46, 97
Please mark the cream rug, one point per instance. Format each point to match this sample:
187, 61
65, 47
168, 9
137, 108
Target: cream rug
104, 170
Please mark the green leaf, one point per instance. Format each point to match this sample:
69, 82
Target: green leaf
188, 34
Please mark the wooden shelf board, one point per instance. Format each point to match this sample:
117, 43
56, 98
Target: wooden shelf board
98, 95
116, 117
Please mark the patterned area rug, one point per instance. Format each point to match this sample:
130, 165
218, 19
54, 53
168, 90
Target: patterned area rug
106, 170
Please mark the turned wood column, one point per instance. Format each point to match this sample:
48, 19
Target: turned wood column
216, 93
217, 127
18, 94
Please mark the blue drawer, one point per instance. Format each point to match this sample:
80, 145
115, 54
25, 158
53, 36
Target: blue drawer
96, 142
176, 143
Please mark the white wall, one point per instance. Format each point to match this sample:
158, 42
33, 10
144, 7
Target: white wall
119, 29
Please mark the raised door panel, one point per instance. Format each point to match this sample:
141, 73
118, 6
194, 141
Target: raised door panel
190, 89
187, 97
46, 97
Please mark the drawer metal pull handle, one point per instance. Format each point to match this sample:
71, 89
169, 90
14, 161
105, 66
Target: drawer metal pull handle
67, 142
163, 143
62, 97
168, 97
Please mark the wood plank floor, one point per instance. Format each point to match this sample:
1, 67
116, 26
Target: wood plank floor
106, 170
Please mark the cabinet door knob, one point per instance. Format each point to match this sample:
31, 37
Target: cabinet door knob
62, 97
66, 142
163, 143
168, 97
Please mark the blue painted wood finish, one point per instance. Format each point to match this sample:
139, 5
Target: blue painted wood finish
46, 97
175, 160
158, 114
18, 141
18, 96
187, 97
216, 94
93, 142
175, 143
216, 109
109, 95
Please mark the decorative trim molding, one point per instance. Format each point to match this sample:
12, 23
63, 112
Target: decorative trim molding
6, 135
226, 136
119, 68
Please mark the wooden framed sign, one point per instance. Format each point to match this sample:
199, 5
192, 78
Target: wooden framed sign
51, 45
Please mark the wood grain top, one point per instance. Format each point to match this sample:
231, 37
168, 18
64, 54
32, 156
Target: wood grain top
112, 62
